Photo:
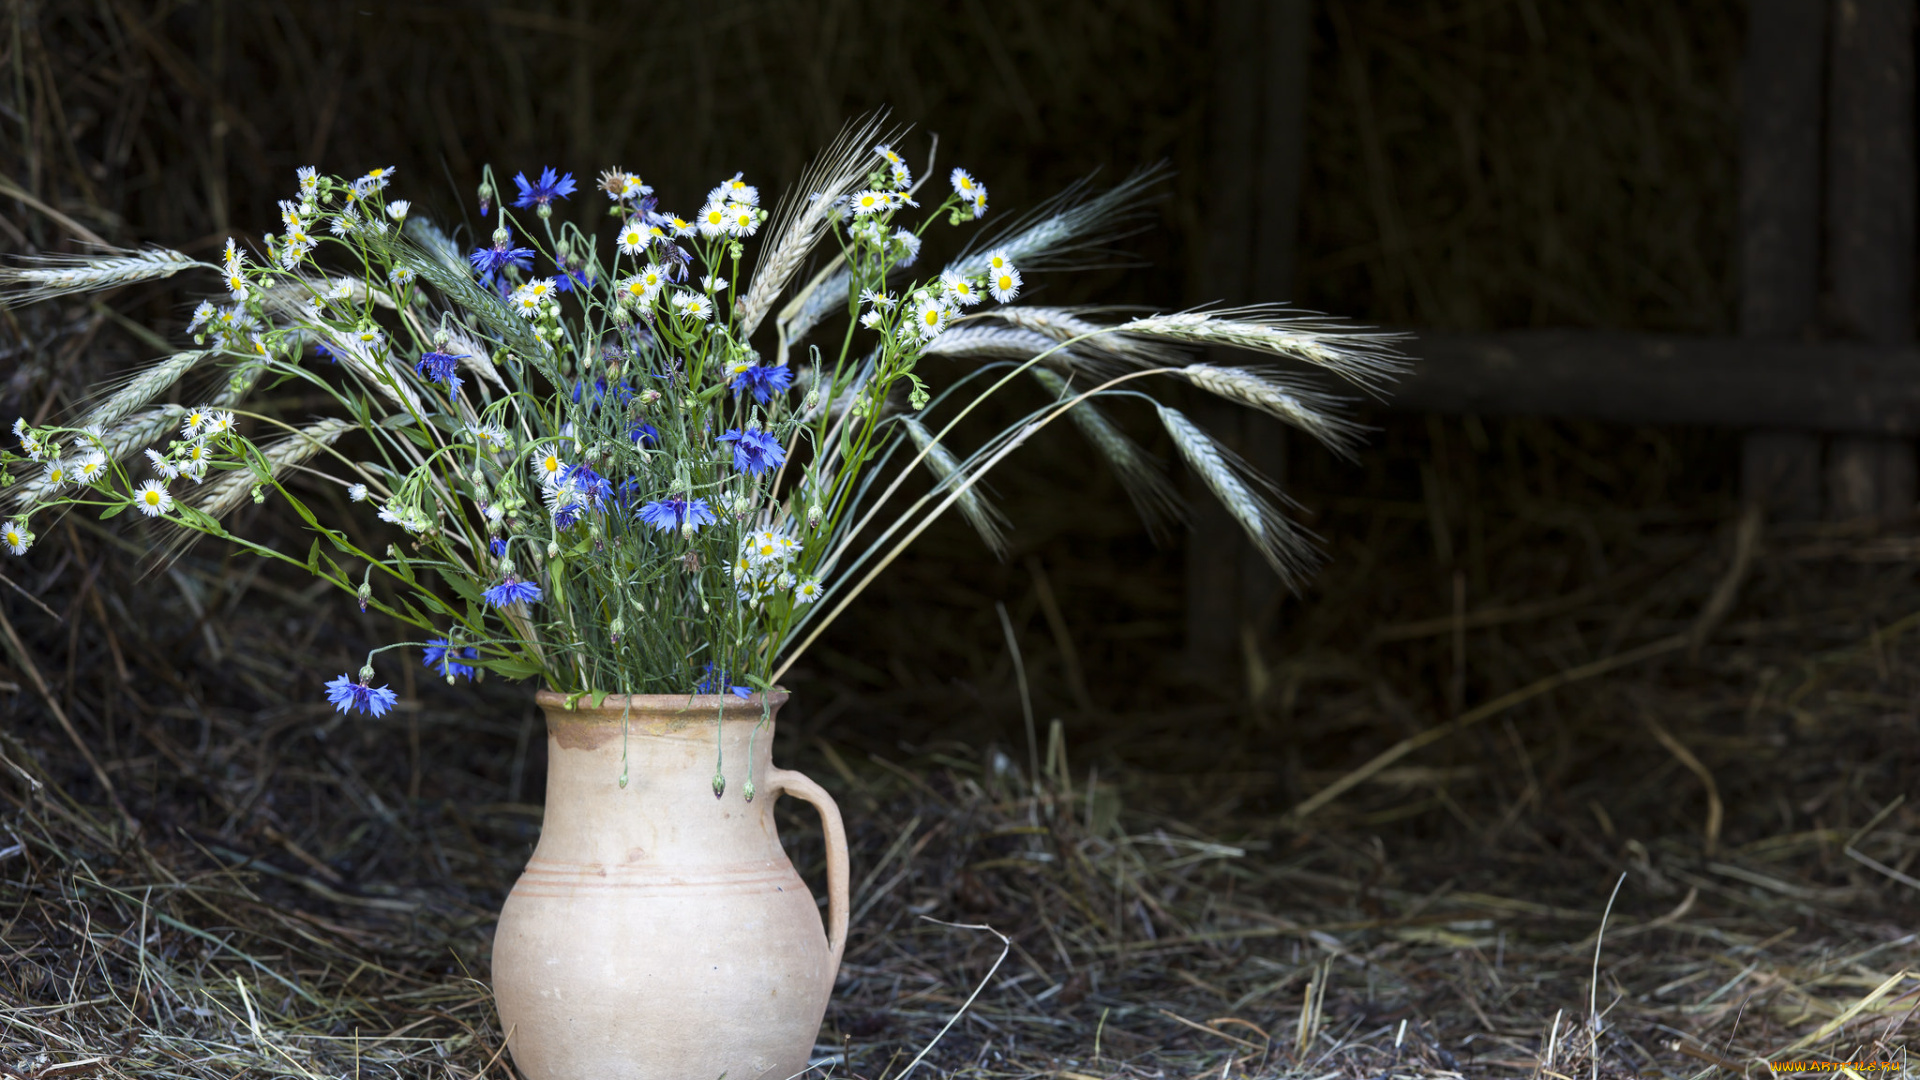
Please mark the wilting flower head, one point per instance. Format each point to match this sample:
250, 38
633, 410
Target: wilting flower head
444, 657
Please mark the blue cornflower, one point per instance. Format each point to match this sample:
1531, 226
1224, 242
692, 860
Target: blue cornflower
489, 261
714, 679
754, 450
645, 435
551, 186
598, 390
672, 513
321, 349
444, 658
497, 547
566, 517
346, 694
564, 282
763, 380
512, 591
439, 367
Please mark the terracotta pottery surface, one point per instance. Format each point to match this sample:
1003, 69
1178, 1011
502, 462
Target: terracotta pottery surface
659, 931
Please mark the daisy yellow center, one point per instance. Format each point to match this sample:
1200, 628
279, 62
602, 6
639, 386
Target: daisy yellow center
153, 497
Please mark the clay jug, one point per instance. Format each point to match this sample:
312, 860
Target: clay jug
659, 931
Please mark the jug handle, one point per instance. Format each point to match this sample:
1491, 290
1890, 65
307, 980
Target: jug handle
835, 832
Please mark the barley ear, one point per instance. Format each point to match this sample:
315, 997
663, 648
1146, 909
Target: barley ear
947, 472
140, 389
225, 495
1286, 547
1287, 399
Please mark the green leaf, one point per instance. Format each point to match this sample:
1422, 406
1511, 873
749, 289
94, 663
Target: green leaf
512, 667
105, 514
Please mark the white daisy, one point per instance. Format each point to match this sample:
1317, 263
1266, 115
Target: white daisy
962, 289
634, 238
218, 423
979, 200
309, 178
342, 289
868, 202
808, 591
692, 306
735, 190
152, 499
400, 276
202, 315
57, 475
909, 244
357, 492
161, 465
195, 458
91, 469
680, 226
713, 283
998, 260
1004, 284
873, 318
549, 468
374, 180
742, 219
16, 536
397, 209
237, 284
931, 316
882, 300
712, 219
963, 183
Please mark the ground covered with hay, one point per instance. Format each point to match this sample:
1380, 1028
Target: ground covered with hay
1561, 687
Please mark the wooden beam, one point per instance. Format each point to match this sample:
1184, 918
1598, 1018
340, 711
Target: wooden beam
1836, 387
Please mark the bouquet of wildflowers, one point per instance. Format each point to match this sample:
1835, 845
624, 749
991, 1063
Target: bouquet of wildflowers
593, 475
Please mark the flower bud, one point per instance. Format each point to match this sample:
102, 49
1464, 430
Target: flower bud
814, 514
486, 192
719, 784
365, 596
479, 479
562, 251
441, 337
545, 211
553, 549
687, 530
621, 317
502, 236
649, 396
812, 400
748, 790
366, 673
617, 628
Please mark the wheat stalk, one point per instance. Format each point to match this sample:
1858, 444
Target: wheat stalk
226, 494
1366, 359
805, 213
1286, 548
140, 389
1305, 408
1146, 486
42, 277
946, 471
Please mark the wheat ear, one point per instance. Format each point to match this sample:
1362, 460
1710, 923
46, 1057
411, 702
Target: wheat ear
805, 213
141, 389
1304, 407
227, 493
1152, 494
1367, 359
983, 341
1287, 548
42, 277
1092, 338
1068, 231
947, 472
